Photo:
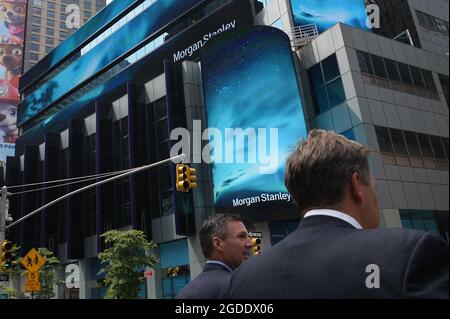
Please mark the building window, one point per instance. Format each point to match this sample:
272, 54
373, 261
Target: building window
34, 56
445, 87
405, 148
364, 62
326, 85
265, 3
174, 255
429, 221
378, 66
392, 70
278, 24
50, 23
51, 6
396, 75
432, 23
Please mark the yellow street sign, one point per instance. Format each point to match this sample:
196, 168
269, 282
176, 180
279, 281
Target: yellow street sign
32, 283
33, 260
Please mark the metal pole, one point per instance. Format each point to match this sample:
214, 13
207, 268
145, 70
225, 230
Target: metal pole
3, 213
137, 170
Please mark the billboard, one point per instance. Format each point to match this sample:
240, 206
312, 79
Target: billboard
250, 87
145, 25
325, 13
12, 34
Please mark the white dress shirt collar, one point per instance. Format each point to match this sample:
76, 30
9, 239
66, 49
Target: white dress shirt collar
334, 213
218, 262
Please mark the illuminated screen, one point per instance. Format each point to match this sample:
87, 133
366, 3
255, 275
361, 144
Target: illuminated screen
250, 83
325, 13
156, 16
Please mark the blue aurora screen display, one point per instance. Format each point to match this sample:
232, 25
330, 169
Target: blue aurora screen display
326, 13
250, 84
156, 16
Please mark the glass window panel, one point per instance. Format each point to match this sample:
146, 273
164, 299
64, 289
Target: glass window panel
162, 131
431, 226
421, 18
417, 77
404, 73
413, 144
399, 142
330, 68
378, 66
350, 134
418, 224
364, 62
160, 108
406, 223
429, 80
392, 70
429, 21
425, 145
384, 139
336, 93
165, 178
321, 100
315, 77
445, 143
437, 147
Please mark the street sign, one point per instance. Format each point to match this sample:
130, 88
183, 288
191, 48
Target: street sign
4, 295
32, 283
33, 260
255, 234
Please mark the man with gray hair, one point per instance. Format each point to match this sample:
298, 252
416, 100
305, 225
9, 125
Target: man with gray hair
225, 244
338, 250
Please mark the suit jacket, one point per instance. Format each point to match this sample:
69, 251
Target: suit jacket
328, 258
212, 283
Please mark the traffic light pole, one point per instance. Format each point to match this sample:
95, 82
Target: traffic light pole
3, 213
3, 228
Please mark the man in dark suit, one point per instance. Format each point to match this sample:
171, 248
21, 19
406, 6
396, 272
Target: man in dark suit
225, 244
338, 250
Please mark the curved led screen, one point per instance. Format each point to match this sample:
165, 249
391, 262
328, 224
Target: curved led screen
252, 96
325, 13
159, 14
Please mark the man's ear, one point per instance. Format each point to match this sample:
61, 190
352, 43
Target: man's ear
356, 189
217, 243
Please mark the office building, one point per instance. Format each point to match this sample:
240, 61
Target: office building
149, 67
50, 22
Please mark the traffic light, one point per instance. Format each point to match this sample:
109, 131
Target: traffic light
173, 272
185, 178
256, 242
6, 254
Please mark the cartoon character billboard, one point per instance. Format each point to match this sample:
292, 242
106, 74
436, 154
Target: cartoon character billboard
326, 13
12, 34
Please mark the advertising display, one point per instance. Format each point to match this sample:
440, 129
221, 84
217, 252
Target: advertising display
12, 33
143, 26
325, 13
252, 95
